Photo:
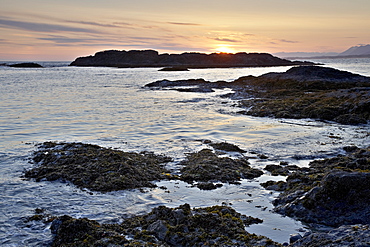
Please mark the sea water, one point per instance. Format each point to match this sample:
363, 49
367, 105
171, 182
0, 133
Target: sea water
110, 107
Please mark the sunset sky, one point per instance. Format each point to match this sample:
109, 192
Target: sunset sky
63, 30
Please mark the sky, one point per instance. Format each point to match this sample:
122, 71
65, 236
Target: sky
45, 30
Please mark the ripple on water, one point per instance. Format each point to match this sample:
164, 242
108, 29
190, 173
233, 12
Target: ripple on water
108, 107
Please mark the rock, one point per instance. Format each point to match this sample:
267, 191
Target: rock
159, 229
181, 226
301, 92
174, 69
310, 92
151, 58
315, 77
228, 147
273, 185
350, 235
206, 166
295, 237
277, 170
208, 186
331, 192
97, 168
25, 65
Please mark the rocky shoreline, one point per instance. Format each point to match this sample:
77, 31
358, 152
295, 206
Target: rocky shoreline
173, 62
332, 192
331, 196
315, 92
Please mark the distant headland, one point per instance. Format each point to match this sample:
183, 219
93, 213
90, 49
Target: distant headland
151, 58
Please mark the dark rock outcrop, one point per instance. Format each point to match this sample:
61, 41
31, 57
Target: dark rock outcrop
352, 235
151, 58
25, 65
301, 92
332, 192
97, 168
206, 166
181, 226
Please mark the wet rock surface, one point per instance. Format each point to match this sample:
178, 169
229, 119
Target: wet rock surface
97, 168
332, 192
301, 92
102, 169
206, 166
151, 58
163, 226
351, 235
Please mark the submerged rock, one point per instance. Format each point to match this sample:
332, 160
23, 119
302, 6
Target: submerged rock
97, 168
181, 226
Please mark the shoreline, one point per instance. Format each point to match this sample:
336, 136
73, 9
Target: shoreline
282, 169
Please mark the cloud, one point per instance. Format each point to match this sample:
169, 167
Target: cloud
184, 23
42, 27
227, 40
64, 40
288, 41
93, 23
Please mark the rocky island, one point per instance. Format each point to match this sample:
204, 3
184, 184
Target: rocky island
151, 58
25, 65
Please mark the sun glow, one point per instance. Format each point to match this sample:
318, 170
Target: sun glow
225, 49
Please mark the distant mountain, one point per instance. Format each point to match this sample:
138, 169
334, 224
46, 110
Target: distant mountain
354, 51
360, 50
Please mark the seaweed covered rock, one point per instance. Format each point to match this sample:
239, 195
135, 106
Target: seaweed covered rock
206, 166
333, 192
228, 147
351, 235
181, 226
97, 168
301, 92
310, 92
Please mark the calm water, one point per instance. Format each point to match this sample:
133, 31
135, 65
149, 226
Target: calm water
109, 107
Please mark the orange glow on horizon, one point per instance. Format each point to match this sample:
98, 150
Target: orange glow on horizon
225, 49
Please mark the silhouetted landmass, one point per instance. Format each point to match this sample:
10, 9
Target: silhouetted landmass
151, 58
361, 50
25, 65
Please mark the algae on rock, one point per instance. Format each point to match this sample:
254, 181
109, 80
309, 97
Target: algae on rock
97, 168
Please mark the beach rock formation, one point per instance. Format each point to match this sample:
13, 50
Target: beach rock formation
332, 192
206, 167
301, 92
163, 226
352, 235
25, 65
151, 58
96, 168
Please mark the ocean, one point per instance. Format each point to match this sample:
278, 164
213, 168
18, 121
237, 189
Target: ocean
110, 107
